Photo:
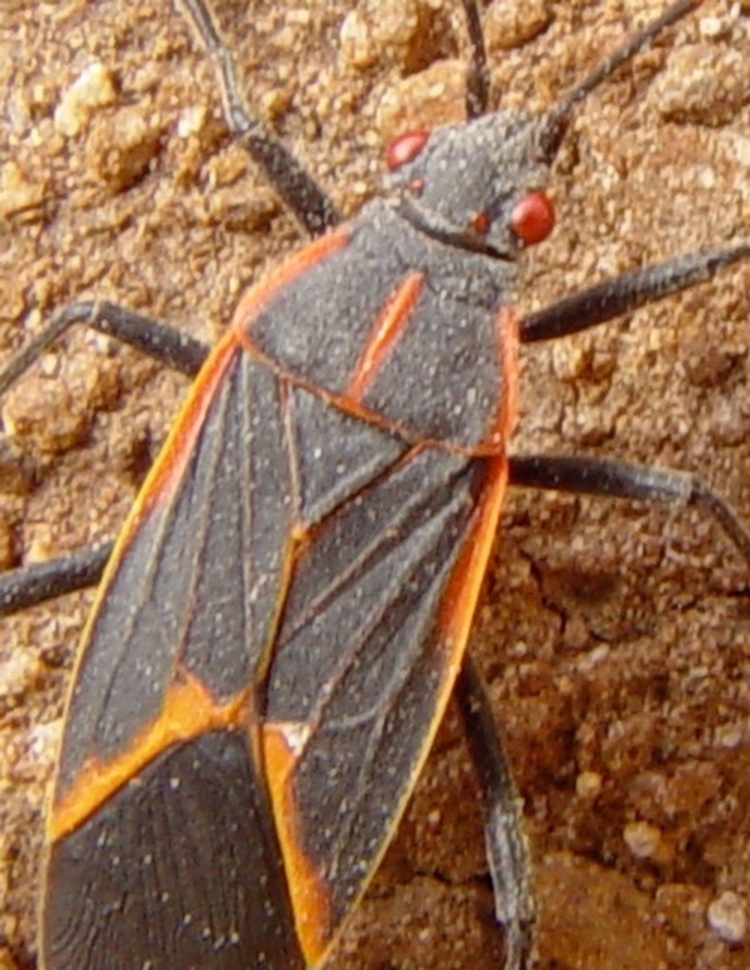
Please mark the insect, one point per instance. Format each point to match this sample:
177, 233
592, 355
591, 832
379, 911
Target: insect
364, 370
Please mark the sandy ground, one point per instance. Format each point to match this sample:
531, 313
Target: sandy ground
616, 638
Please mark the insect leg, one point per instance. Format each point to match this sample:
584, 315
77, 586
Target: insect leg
30, 585
618, 479
34, 584
294, 184
622, 294
164, 343
507, 851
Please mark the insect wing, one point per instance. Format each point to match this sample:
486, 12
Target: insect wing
372, 638
275, 645
163, 851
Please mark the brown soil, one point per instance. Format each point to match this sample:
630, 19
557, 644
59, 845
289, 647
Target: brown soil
616, 638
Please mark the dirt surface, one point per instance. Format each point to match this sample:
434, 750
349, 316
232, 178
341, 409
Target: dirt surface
616, 638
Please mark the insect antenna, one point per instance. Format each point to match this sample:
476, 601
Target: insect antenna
291, 180
478, 83
559, 115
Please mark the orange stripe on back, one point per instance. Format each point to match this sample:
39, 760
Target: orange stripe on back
461, 593
282, 744
175, 453
188, 711
392, 319
257, 298
509, 345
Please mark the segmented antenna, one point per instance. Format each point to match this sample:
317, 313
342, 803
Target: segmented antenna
559, 116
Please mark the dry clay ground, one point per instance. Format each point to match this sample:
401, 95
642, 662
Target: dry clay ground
616, 638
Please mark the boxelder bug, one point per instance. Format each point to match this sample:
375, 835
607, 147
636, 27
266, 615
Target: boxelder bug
382, 425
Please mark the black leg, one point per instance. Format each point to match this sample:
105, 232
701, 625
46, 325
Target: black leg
164, 343
626, 293
30, 585
619, 479
507, 852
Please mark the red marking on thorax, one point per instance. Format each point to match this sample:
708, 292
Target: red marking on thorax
390, 323
257, 298
508, 344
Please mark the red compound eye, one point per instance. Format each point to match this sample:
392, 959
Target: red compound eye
533, 217
405, 148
